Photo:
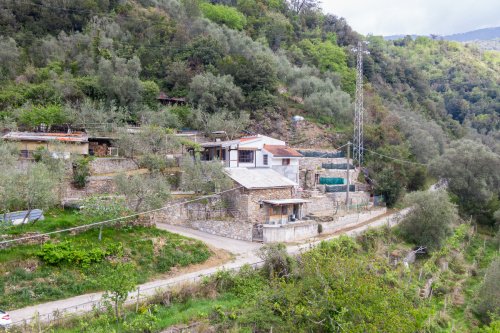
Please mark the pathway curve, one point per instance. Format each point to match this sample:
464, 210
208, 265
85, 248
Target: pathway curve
245, 253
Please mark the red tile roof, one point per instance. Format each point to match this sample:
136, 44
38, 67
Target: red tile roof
282, 151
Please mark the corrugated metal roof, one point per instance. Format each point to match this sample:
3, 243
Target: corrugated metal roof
32, 136
282, 151
256, 178
285, 201
35, 214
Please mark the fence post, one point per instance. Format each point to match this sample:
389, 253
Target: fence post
38, 321
137, 301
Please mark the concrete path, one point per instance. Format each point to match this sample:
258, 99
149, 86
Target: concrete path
244, 254
234, 246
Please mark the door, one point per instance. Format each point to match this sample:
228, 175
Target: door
258, 233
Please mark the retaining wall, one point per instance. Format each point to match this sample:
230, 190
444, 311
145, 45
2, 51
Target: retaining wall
111, 165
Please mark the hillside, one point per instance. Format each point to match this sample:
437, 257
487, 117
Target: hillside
140, 72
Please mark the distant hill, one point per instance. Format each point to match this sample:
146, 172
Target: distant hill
481, 34
475, 35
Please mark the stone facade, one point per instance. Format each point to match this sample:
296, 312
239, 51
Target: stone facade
311, 169
249, 201
96, 185
111, 165
227, 228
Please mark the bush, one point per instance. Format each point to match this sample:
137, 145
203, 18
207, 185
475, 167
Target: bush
229, 16
81, 171
68, 253
488, 297
429, 221
277, 262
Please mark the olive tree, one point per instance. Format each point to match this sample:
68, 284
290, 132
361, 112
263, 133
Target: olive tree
430, 218
488, 297
204, 176
473, 174
223, 120
36, 188
335, 105
211, 93
143, 192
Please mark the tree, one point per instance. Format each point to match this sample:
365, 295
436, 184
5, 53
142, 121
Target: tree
299, 6
35, 116
430, 218
9, 57
221, 121
204, 176
488, 297
148, 147
473, 174
229, 16
36, 188
7, 176
388, 186
100, 208
211, 93
334, 106
143, 192
117, 283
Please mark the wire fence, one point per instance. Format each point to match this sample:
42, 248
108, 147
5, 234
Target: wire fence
142, 294
138, 296
121, 219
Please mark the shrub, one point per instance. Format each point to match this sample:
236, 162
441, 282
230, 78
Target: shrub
69, 253
277, 262
221, 14
488, 297
429, 221
81, 171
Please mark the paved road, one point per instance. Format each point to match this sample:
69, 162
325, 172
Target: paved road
244, 254
234, 246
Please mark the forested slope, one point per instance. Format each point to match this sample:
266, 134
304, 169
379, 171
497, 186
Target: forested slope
252, 64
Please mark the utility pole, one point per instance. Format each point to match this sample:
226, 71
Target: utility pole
358, 147
347, 175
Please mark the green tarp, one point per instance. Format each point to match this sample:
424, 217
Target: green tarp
312, 153
331, 181
339, 188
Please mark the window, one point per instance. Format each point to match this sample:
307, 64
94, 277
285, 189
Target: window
285, 161
265, 159
245, 156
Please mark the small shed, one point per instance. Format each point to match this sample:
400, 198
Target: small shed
61, 143
283, 211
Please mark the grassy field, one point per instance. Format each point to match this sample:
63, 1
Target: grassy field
55, 219
74, 264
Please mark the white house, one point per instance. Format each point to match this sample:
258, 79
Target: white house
258, 151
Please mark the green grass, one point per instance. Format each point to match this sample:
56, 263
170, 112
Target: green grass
460, 318
55, 219
160, 317
25, 279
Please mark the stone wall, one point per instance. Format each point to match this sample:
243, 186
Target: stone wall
302, 230
248, 202
310, 166
111, 165
227, 228
96, 185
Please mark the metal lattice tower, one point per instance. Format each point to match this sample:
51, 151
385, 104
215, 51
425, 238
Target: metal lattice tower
357, 147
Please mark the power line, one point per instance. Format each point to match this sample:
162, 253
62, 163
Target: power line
116, 219
394, 158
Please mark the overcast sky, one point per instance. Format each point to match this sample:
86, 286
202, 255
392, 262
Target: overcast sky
422, 17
